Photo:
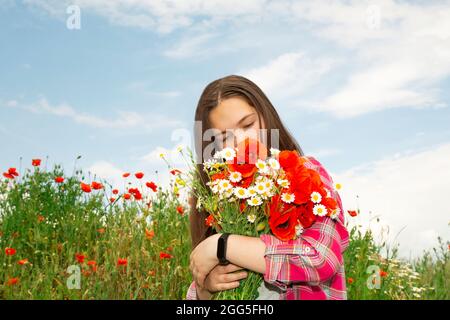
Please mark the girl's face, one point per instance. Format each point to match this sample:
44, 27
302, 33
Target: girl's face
236, 120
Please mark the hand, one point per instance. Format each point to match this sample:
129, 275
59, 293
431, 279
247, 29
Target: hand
220, 278
203, 259
224, 278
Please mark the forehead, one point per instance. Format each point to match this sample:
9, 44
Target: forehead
228, 113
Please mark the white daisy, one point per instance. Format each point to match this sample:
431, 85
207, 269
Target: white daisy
288, 197
320, 210
252, 191
274, 164
224, 185
235, 176
260, 187
274, 152
213, 185
227, 194
254, 201
208, 164
241, 193
228, 154
316, 197
268, 184
262, 166
251, 218
284, 183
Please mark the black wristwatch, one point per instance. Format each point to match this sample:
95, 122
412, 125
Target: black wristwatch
222, 249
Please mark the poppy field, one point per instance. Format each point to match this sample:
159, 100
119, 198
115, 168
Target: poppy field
74, 236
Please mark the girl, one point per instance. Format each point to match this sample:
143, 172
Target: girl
310, 267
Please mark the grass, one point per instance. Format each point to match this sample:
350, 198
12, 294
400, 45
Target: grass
67, 235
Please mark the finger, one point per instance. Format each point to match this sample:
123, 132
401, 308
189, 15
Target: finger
227, 286
201, 278
232, 277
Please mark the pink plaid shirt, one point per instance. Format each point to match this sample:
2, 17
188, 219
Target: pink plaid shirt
311, 266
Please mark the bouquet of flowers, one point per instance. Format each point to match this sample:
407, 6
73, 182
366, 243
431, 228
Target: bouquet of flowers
251, 193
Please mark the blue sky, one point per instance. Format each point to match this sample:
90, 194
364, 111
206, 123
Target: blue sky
363, 86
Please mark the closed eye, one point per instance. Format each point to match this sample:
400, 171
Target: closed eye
249, 125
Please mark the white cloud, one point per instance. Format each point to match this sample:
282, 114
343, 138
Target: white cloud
400, 59
172, 156
191, 46
289, 74
124, 119
396, 53
163, 16
406, 191
107, 171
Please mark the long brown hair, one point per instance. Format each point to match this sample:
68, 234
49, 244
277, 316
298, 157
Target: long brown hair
213, 94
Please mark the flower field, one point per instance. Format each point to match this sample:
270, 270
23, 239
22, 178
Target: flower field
75, 237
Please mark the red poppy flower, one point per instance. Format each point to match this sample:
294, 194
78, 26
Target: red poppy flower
289, 160
22, 262
175, 171
180, 210
149, 234
36, 162
352, 213
112, 199
245, 182
41, 218
152, 186
10, 251
350, 280
115, 191
7, 175
93, 265
139, 175
282, 219
11, 173
59, 179
249, 151
209, 221
306, 215
163, 255
383, 274
126, 175
80, 257
96, 185
127, 196
101, 230
86, 187
136, 193
122, 262
242, 206
12, 281
219, 175
330, 203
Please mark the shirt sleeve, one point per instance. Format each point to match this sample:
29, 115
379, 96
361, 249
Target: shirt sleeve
315, 256
192, 292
